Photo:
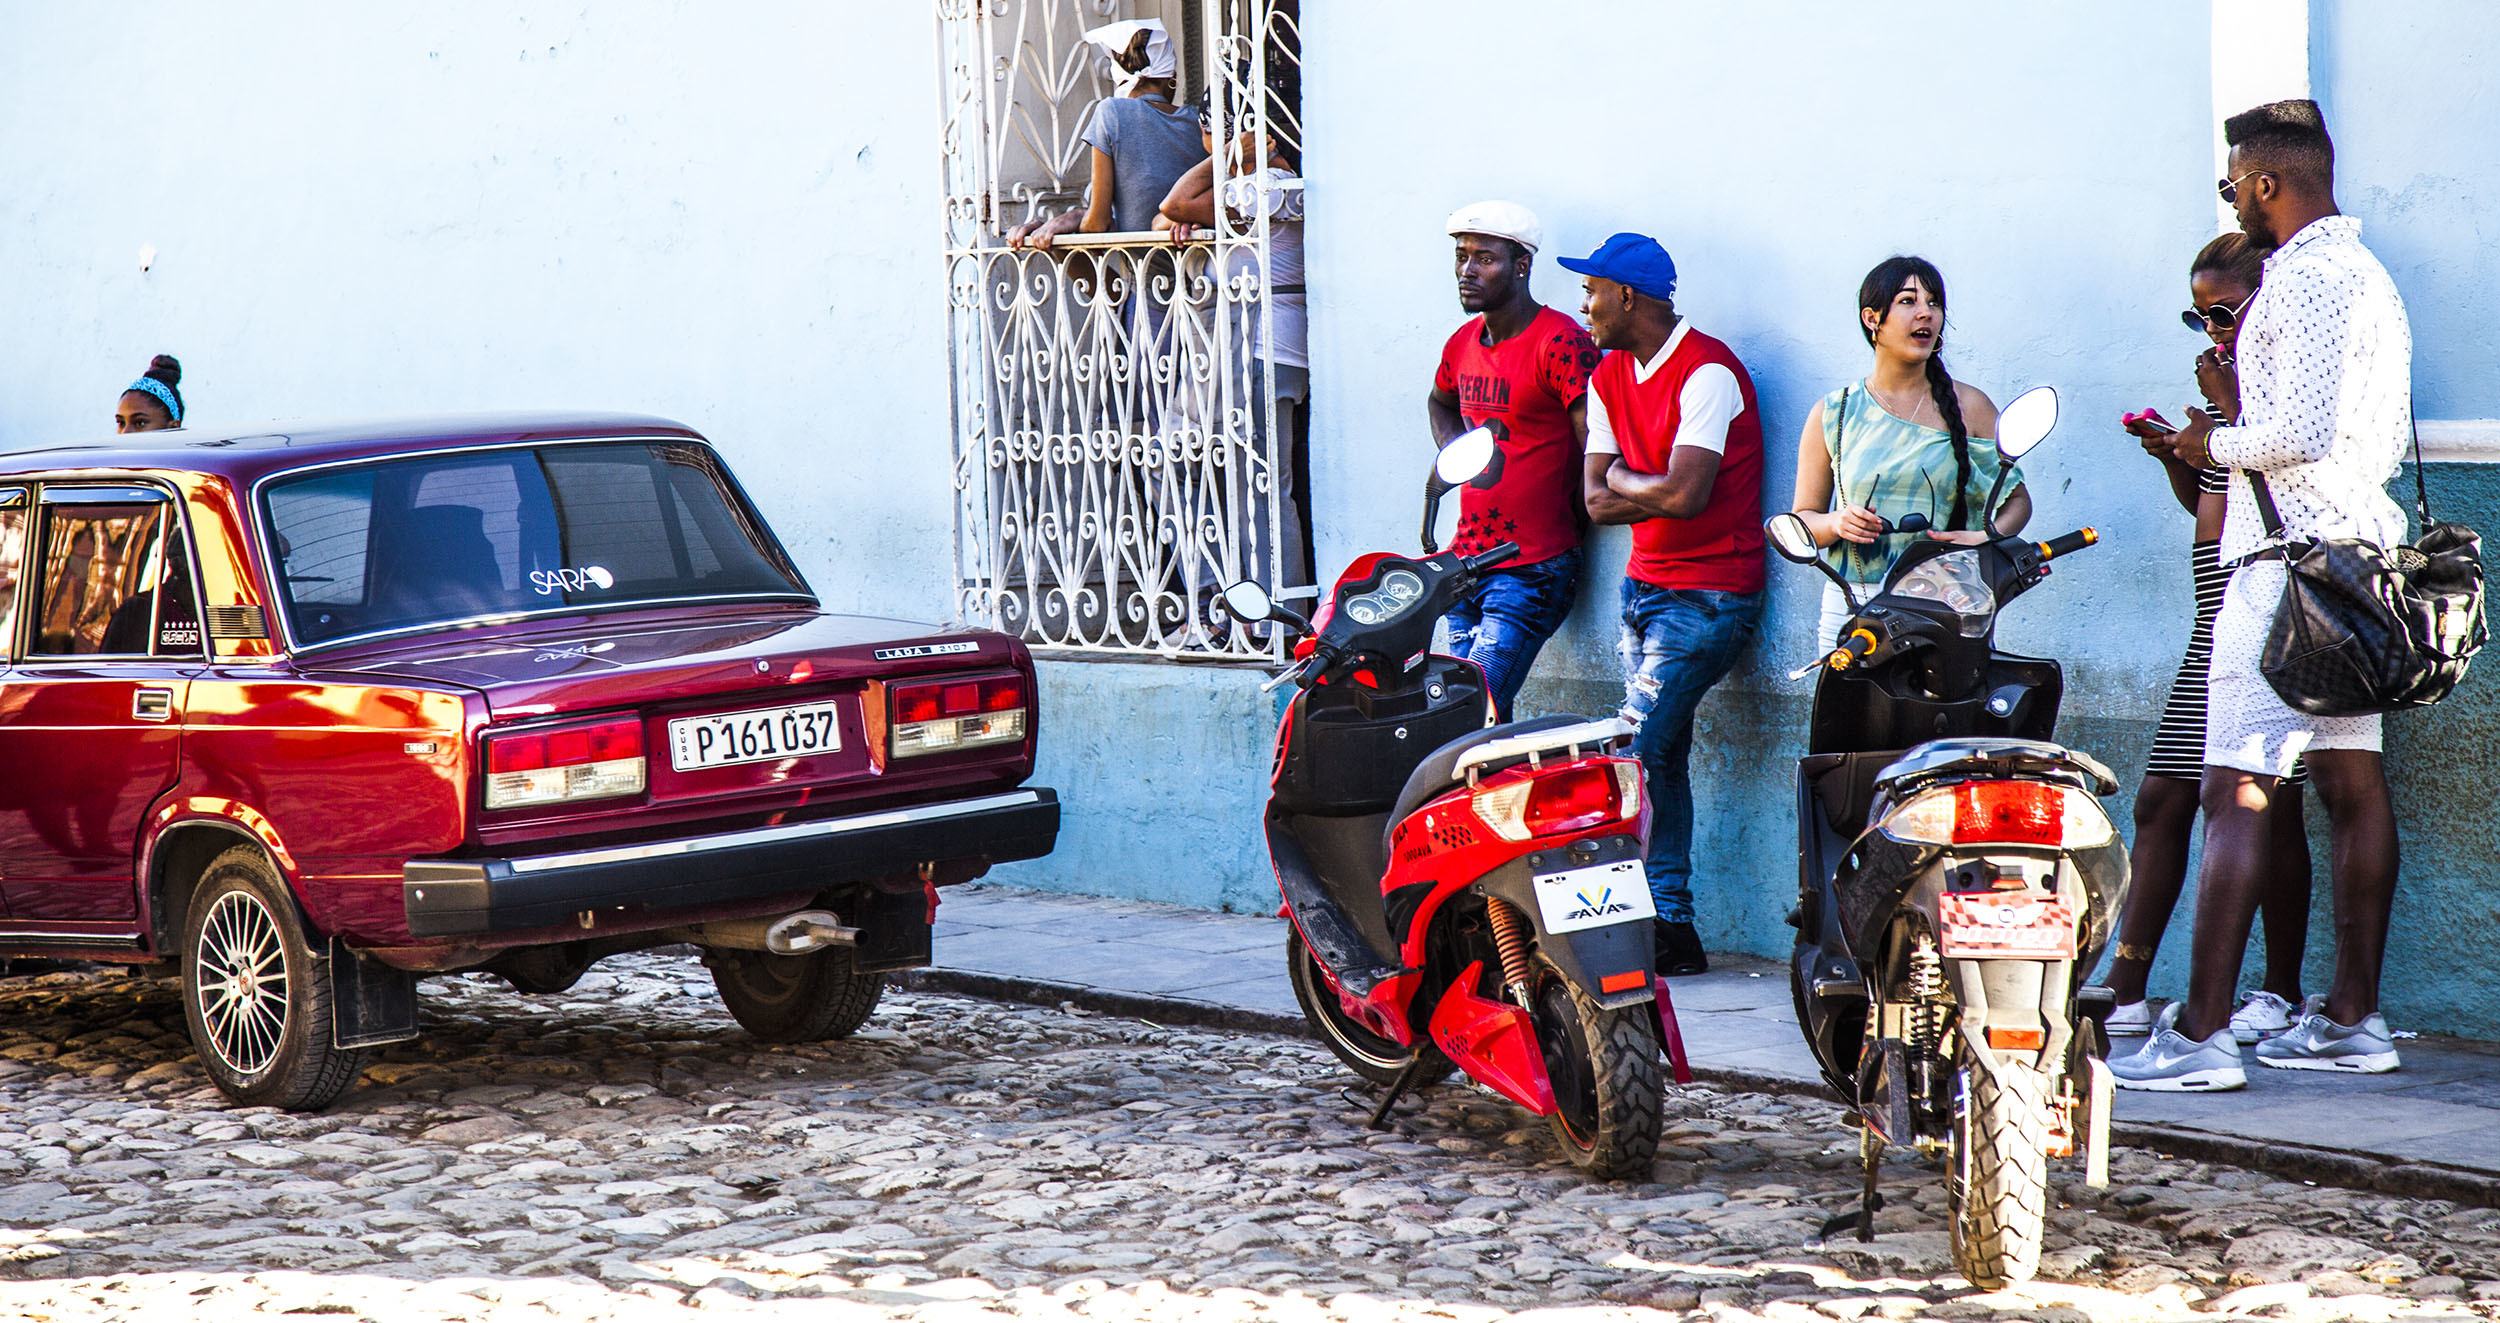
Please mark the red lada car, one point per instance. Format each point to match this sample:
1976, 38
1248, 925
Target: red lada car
311, 715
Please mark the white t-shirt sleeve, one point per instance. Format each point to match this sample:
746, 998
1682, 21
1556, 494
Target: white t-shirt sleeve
1709, 401
1601, 428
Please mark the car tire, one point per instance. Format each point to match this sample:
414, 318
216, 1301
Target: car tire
811, 998
255, 995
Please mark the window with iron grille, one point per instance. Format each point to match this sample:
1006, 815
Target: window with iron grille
1121, 451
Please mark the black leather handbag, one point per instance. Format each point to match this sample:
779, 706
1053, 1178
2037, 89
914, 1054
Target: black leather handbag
2364, 628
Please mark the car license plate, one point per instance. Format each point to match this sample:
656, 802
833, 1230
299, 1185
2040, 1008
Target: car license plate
728, 738
1594, 897
2009, 926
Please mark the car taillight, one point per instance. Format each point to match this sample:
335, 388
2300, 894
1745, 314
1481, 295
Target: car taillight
939, 716
559, 764
2002, 813
1557, 803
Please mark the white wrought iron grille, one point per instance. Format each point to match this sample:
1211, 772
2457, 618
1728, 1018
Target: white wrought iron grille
1116, 438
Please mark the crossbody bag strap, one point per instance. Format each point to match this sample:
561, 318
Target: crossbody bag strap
2267, 516
2421, 487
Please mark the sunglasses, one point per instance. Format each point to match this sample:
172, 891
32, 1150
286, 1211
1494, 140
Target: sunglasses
2230, 188
2219, 316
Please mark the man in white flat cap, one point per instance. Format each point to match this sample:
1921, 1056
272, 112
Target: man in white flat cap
1522, 369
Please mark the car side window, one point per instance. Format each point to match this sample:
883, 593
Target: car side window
101, 563
12, 556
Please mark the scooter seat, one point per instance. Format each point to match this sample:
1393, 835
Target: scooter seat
1438, 772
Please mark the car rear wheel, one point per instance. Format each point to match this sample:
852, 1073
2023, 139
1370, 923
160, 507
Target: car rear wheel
257, 1000
808, 998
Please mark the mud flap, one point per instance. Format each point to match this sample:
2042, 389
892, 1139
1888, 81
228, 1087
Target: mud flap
1494, 1042
1679, 1067
2099, 1089
1612, 962
370, 1002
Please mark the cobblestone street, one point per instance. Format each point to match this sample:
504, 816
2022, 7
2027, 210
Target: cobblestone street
621, 1151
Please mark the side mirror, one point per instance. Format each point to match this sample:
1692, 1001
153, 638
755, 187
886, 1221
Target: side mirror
1472, 456
2025, 423
2021, 427
1247, 601
1791, 539
1469, 457
1788, 535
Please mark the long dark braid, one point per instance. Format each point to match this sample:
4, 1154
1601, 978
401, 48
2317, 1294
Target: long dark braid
1875, 294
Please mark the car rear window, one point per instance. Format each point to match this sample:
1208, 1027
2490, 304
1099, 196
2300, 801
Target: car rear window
398, 544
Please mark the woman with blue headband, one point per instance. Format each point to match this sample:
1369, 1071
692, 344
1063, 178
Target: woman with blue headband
153, 403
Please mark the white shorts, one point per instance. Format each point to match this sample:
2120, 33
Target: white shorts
2247, 725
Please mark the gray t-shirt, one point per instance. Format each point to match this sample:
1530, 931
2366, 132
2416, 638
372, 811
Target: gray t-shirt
1151, 145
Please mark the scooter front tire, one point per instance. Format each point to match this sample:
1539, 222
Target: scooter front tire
1609, 1086
1377, 1059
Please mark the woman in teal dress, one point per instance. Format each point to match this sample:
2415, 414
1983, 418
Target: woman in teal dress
1906, 439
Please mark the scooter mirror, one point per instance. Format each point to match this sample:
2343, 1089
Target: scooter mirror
1246, 600
1791, 539
2025, 423
1466, 458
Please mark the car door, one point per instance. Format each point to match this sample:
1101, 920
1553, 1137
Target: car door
13, 520
91, 724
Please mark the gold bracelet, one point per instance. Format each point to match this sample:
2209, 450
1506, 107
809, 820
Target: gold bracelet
2130, 951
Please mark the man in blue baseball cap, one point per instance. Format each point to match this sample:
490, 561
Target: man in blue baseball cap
1675, 450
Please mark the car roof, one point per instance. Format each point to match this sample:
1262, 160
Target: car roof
244, 454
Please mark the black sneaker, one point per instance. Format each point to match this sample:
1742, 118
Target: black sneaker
1679, 949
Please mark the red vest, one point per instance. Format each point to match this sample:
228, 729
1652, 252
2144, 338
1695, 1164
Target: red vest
1721, 548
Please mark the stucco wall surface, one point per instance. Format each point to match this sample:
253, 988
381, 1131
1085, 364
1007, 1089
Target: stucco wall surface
723, 214
2055, 161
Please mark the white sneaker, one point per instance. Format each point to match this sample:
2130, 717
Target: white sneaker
2171, 1062
2133, 1020
2318, 1043
2261, 1015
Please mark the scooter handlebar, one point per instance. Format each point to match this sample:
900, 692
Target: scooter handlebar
1490, 557
1852, 649
2069, 544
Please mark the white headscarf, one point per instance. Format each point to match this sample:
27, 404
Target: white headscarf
1114, 38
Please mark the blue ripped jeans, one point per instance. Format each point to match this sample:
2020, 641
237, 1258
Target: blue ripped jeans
1676, 643
1501, 624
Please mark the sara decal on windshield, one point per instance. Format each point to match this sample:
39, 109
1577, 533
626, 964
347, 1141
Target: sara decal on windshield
550, 582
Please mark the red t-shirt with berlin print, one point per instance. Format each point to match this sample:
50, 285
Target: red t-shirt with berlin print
1528, 384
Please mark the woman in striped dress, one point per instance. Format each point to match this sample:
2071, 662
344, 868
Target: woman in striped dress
2222, 280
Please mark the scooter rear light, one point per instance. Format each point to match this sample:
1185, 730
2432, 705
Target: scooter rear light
2035, 813
1555, 803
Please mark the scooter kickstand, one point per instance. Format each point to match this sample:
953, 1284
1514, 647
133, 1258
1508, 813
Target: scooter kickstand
1397, 1090
1871, 1160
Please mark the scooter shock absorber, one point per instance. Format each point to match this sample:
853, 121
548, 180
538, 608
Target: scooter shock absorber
1510, 941
1925, 983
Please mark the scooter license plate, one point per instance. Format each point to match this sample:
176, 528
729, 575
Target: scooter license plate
1594, 897
2007, 926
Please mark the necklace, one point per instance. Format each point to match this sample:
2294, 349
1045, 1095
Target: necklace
1909, 415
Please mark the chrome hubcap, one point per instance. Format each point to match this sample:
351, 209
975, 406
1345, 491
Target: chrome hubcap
241, 980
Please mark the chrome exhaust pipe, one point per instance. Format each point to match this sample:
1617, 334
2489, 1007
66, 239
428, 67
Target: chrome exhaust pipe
790, 934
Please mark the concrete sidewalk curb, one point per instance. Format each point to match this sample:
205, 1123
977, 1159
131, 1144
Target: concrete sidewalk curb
2412, 1180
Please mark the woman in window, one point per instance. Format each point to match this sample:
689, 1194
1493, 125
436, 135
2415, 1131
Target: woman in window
1141, 142
1905, 439
153, 403
2222, 281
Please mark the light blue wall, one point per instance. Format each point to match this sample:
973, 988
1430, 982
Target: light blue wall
2412, 96
2055, 161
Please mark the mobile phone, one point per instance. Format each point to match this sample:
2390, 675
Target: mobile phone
2151, 416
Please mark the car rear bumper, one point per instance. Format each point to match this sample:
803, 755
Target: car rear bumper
457, 897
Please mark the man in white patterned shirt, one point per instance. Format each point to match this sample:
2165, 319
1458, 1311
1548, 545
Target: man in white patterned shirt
2321, 408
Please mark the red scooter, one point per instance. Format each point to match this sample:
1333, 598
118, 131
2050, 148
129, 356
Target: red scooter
1463, 895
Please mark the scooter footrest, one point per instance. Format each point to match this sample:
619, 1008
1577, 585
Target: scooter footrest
1840, 989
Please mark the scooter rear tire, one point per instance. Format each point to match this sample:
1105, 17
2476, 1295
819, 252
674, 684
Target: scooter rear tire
1999, 1187
1374, 1057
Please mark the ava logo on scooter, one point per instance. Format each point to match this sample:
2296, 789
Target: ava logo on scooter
1604, 907
1593, 897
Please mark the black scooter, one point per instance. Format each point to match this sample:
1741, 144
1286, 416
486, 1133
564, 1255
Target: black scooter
1957, 875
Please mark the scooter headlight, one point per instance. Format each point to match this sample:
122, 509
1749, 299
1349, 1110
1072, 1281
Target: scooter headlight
2036, 813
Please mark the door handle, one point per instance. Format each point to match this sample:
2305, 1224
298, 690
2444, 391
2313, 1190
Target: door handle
151, 704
